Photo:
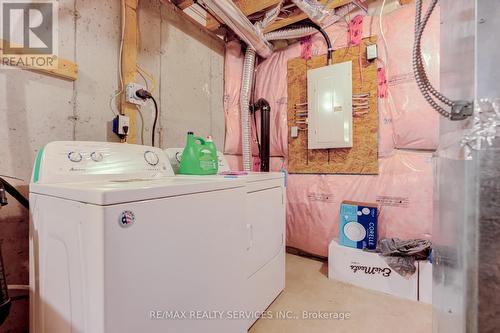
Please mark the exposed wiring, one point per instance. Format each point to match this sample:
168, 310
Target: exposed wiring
154, 122
459, 109
381, 26
143, 72
120, 57
144, 94
146, 83
329, 51
122, 40
111, 102
139, 111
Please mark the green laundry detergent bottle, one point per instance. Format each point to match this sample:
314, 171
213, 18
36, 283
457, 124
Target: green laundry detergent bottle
199, 157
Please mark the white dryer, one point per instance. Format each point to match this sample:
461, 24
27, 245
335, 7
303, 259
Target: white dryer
265, 232
119, 245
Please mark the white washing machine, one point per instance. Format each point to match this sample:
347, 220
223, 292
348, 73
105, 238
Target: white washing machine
265, 232
119, 245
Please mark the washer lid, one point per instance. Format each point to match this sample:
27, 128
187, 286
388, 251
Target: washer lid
130, 190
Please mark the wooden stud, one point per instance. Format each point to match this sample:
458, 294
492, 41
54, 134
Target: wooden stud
66, 69
129, 64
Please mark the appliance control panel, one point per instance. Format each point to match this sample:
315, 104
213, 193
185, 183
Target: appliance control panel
72, 161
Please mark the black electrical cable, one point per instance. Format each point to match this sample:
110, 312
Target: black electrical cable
15, 193
154, 122
327, 40
144, 94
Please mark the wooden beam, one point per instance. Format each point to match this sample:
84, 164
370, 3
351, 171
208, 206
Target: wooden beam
129, 64
299, 15
185, 17
248, 7
183, 4
65, 69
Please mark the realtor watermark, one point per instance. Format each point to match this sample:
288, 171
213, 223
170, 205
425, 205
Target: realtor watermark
29, 34
246, 315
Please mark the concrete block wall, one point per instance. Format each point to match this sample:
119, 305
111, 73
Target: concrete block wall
36, 109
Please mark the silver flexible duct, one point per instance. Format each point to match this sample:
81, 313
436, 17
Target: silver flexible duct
240, 24
246, 86
313, 9
290, 33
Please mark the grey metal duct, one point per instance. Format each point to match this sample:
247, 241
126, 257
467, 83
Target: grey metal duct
240, 24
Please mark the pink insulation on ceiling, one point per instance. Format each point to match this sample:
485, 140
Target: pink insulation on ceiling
403, 191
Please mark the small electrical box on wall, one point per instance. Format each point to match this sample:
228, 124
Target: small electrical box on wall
329, 91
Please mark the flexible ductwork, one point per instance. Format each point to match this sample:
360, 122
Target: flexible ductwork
241, 25
290, 33
246, 86
319, 14
313, 9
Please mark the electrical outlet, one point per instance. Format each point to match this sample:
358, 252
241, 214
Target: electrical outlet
121, 125
130, 95
371, 52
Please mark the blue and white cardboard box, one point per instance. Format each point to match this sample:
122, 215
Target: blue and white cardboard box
369, 270
358, 225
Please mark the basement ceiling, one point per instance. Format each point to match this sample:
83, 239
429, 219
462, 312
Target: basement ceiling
255, 10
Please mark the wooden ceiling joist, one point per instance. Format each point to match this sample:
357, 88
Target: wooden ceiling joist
248, 7
297, 15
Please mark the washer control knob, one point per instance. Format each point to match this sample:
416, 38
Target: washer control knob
151, 157
96, 157
75, 157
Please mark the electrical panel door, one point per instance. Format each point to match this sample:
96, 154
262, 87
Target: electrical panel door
329, 91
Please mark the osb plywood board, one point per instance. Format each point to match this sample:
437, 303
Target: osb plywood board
362, 158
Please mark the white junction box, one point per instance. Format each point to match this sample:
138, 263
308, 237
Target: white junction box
369, 270
425, 282
329, 91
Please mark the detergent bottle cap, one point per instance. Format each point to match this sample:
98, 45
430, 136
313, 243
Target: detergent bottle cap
190, 133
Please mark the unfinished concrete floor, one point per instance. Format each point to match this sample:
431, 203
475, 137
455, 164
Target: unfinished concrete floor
309, 289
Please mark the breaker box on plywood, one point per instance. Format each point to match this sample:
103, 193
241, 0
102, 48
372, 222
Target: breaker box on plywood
329, 91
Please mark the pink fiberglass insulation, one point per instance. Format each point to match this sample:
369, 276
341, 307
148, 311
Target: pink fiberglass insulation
415, 122
271, 84
405, 121
403, 191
